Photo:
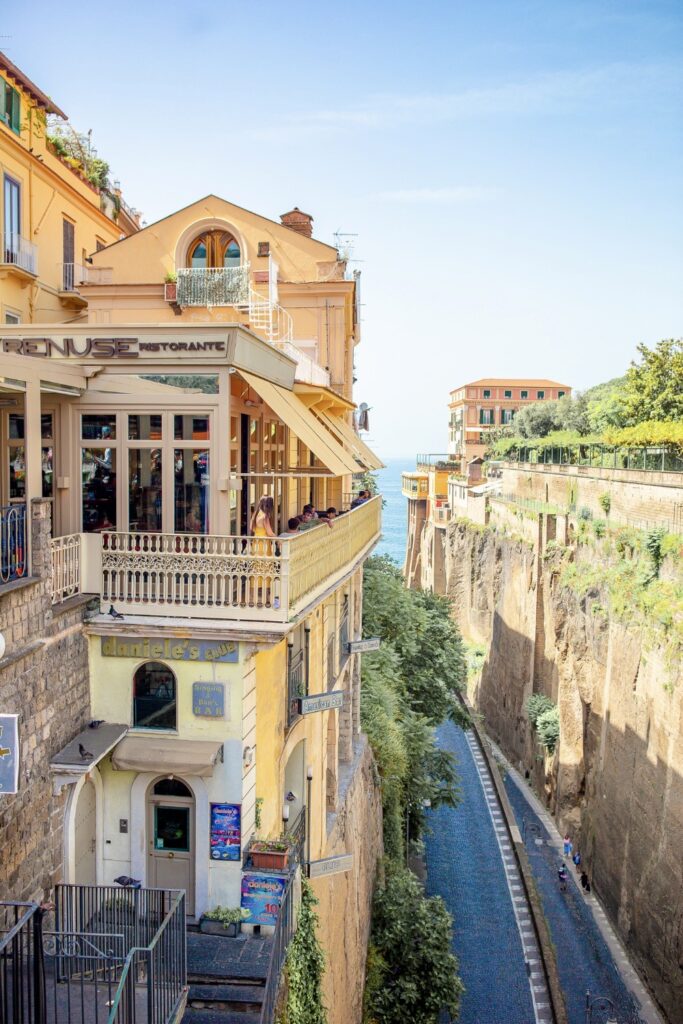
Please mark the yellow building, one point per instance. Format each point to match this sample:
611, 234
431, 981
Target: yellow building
221, 663
53, 217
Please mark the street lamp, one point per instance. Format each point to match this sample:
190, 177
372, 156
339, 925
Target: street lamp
309, 786
605, 1007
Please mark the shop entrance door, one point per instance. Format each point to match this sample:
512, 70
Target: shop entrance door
170, 828
85, 863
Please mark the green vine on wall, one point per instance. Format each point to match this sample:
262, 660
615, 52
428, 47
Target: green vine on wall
304, 967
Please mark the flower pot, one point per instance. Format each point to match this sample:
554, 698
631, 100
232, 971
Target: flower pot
171, 291
270, 860
229, 931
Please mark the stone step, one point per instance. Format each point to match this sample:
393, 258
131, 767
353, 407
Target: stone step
231, 997
192, 1016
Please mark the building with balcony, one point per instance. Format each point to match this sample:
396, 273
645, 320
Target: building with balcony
478, 408
217, 667
53, 217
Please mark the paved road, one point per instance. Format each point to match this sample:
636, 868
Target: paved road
468, 864
584, 960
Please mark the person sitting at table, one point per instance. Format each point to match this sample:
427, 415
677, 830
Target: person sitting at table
292, 527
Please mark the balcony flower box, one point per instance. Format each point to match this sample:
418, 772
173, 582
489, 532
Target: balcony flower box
171, 291
270, 854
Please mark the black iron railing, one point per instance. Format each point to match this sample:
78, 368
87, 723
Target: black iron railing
331, 660
284, 930
296, 683
22, 986
296, 835
344, 633
13, 548
653, 459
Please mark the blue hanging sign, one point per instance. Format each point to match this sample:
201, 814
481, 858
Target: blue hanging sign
9, 753
225, 839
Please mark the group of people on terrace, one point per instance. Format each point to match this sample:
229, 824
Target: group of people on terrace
263, 517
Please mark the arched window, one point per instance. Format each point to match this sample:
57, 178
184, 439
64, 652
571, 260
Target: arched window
154, 697
214, 249
171, 787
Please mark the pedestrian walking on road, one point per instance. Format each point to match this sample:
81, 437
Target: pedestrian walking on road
563, 876
585, 884
567, 845
577, 860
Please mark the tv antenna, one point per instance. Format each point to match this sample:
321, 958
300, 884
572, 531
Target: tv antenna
345, 243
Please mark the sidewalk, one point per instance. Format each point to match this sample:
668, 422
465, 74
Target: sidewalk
630, 979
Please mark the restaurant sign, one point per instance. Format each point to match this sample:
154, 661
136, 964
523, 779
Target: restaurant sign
321, 702
372, 643
9, 753
208, 700
84, 346
170, 648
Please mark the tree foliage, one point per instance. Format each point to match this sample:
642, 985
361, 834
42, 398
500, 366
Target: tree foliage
653, 389
414, 974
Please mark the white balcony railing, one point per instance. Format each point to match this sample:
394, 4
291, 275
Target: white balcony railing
73, 275
220, 577
66, 567
307, 370
18, 251
213, 286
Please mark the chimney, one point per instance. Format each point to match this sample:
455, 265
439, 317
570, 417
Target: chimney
298, 221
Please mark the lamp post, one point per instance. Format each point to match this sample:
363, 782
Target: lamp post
605, 1007
309, 787
285, 817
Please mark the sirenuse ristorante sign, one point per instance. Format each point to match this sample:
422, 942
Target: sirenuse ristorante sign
83, 346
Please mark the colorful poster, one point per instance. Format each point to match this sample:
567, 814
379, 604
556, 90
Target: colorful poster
226, 832
9, 753
262, 896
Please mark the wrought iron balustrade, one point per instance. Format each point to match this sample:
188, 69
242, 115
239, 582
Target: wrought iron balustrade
284, 930
331, 660
19, 252
73, 275
66, 567
213, 286
13, 547
296, 682
22, 991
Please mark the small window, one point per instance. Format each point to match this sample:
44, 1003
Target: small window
144, 428
560, 394
231, 256
12, 318
10, 107
264, 248
16, 427
191, 428
540, 394
154, 697
508, 394
524, 394
100, 245
98, 428
487, 393
171, 787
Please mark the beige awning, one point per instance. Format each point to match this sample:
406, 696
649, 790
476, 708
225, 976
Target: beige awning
350, 439
150, 753
307, 428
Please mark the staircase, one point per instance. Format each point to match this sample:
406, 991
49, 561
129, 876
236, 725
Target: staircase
267, 318
226, 978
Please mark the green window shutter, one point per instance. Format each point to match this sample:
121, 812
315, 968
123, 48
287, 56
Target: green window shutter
15, 117
4, 88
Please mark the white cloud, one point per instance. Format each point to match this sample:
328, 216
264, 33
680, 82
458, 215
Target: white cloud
552, 92
450, 194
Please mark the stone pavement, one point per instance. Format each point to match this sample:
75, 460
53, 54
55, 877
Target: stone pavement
590, 957
469, 866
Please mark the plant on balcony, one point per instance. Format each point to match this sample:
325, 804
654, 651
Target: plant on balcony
171, 286
271, 854
224, 921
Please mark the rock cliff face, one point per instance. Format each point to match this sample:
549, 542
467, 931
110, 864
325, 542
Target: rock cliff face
616, 779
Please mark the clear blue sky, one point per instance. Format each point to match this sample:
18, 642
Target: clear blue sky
513, 170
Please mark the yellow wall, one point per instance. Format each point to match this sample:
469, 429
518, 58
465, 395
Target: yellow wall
50, 192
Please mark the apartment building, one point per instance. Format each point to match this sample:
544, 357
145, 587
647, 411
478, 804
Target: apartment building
483, 405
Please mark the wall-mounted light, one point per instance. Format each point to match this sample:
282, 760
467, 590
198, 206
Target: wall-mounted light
248, 755
309, 773
285, 814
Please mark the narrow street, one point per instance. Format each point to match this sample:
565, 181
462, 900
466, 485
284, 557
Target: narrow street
471, 865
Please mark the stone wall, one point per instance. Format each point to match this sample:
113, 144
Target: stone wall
616, 780
44, 679
346, 898
636, 496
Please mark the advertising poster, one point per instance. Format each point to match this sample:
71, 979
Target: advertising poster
262, 896
226, 832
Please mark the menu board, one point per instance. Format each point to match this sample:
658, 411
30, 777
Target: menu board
262, 896
226, 832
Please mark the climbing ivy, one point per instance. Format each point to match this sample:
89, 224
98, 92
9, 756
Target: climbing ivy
304, 967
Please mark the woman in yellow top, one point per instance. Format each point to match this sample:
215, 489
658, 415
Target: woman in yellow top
262, 526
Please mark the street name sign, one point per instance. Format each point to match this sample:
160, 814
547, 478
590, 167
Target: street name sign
321, 702
9, 753
372, 643
330, 865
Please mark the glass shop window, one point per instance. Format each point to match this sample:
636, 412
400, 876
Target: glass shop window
98, 481
191, 473
154, 697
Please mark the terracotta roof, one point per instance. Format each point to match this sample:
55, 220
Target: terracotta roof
515, 382
25, 83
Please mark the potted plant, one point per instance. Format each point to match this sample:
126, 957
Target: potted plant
271, 854
224, 921
171, 287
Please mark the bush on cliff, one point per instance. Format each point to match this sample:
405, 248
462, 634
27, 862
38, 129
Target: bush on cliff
413, 975
304, 968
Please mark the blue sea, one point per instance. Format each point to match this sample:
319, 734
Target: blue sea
395, 512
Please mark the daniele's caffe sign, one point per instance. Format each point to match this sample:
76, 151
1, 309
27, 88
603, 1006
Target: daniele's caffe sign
124, 347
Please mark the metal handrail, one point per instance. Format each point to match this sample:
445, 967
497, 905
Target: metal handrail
19, 252
284, 930
13, 547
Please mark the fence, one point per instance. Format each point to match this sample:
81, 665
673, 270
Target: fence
284, 930
13, 548
533, 504
654, 459
21, 972
66, 567
213, 286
